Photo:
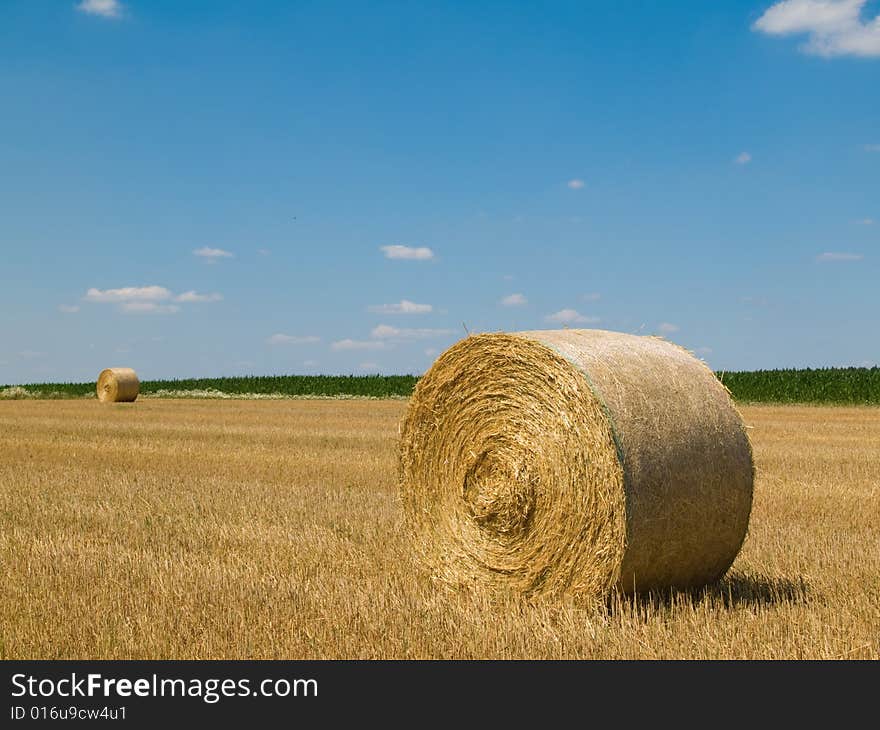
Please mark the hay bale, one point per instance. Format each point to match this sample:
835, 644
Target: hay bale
118, 385
574, 461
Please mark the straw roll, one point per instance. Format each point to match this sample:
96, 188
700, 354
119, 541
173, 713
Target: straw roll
574, 461
118, 385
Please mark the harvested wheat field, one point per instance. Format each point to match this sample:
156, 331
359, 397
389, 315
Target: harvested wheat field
243, 529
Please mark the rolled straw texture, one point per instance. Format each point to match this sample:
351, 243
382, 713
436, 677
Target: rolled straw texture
574, 461
118, 385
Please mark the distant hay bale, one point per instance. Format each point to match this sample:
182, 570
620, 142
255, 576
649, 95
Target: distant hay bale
574, 461
118, 385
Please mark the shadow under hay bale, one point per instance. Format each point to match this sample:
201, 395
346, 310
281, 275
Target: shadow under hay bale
731, 591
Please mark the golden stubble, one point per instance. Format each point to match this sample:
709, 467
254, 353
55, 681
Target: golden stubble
254, 529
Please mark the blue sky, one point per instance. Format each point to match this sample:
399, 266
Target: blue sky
219, 187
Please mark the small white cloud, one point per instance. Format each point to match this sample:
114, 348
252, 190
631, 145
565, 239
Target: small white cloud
833, 27
263, 251
104, 8
593, 296
384, 330
866, 222
371, 366
310, 363
282, 339
212, 254
349, 344
570, 316
404, 306
430, 351
514, 300
191, 296
872, 148
420, 253
128, 294
839, 256
703, 351
68, 308
575, 184
138, 307
387, 332
146, 299
743, 158
667, 328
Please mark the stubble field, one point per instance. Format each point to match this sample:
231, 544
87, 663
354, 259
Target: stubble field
271, 529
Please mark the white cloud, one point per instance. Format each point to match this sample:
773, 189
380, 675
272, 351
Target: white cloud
104, 8
872, 148
404, 306
387, 332
68, 308
667, 328
349, 344
743, 158
141, 307
839, 256
146, 299
430, 351
371, 366
593, 296
282, 339
570, 316
421, 253
191, 296
264, 251
866, 222
310, 363
212, 254
128, 294
833, 27
576, 184
514, 300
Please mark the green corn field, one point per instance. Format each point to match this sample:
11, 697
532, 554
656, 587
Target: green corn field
842, 386
839, 386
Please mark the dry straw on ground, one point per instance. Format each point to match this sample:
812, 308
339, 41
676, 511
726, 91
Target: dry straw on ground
118, 385
272, 529
574, 461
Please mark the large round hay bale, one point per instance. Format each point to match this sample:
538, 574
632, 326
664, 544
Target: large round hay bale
118, 385
574, 461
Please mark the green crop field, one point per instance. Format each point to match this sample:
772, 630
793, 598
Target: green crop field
843, 386
840, 386
328, 386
